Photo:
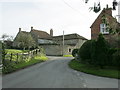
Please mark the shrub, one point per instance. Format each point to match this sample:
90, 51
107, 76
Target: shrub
102, 48
110, 60
95, 52
8, 67
85, 52
74, 52
116, 58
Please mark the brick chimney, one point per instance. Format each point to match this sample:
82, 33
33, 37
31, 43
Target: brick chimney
51, 32
19, 29
107, 10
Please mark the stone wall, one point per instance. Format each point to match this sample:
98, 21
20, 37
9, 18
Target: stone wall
57, 50
52, 49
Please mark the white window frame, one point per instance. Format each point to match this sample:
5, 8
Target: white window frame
103, 29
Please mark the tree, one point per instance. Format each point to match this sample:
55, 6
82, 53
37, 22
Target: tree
25, 41
102, 48
95, 52
84, 52
4, 37
10, 38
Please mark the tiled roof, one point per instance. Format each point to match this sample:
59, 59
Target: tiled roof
40, 34
25, 32
22, 32
69, 36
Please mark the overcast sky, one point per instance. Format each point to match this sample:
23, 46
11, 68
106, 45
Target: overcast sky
72, 16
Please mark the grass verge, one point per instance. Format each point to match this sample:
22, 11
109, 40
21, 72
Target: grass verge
24, 64
30, 62
67, 56
111, 73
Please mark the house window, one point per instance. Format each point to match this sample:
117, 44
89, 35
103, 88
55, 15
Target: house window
103, 29
70, 50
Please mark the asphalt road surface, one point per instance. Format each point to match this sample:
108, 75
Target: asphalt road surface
55, 73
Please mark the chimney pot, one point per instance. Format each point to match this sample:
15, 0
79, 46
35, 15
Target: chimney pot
19, 29
51, 32
107, 6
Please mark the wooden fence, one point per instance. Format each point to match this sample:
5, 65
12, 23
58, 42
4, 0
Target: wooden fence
18, 57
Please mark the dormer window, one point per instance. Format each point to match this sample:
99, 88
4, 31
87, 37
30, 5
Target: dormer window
103, 29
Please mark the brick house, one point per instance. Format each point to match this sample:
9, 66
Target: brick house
99, 26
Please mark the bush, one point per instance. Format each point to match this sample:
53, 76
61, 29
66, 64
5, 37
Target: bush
102, 49
116, 58
95, 52
85, 52
110, 60
74, 52
8, 67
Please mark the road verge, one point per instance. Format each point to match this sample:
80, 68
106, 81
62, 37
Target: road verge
107, 72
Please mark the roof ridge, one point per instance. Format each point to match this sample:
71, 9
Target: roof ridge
25, 31
38, 30
66, 34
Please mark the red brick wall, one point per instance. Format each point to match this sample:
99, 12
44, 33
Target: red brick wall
95, 28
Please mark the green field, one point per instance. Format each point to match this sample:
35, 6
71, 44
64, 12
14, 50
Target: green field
14, 51
14, 54
107, 72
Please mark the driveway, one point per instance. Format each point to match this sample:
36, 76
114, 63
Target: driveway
55, 73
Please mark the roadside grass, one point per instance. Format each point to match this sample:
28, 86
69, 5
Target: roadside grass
30, 62
67, 56
24, 64
107, 72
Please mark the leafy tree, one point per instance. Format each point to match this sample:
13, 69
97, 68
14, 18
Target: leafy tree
96, 52
25, 41
84, 52
116, 58
4, 37
102, 48
93, 52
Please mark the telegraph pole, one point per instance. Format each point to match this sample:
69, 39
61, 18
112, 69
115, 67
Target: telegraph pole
63, 44
119, 11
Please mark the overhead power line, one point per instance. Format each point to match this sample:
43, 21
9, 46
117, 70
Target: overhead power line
71, 6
